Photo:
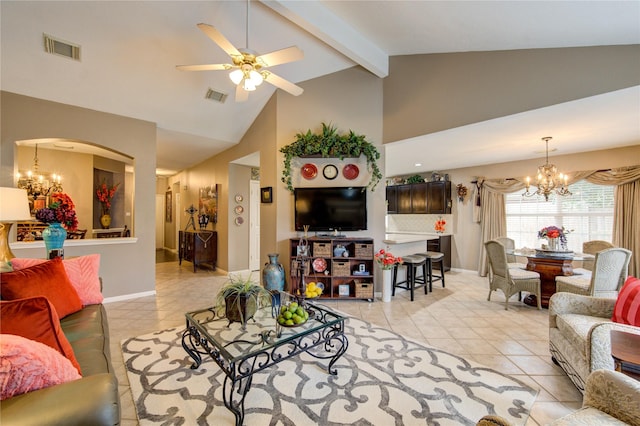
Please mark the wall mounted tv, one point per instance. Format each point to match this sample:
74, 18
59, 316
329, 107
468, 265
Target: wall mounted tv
329, 209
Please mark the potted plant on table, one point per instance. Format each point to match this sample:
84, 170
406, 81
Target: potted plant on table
241, 297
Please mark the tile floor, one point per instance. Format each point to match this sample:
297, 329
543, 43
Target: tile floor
457, 318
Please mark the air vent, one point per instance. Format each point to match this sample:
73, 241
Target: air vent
216, 96
60, 47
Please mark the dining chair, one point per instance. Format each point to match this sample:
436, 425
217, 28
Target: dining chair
611, 267
509, 280
591, 247
510, 246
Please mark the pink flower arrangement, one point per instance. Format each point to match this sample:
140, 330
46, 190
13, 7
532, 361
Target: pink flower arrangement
554, 232
386, 260
105, 195
61, 210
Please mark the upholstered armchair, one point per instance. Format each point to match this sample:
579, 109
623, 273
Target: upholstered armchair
580, 334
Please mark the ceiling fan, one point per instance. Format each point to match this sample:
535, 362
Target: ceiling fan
249, 69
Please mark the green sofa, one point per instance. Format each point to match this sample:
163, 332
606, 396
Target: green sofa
92, 400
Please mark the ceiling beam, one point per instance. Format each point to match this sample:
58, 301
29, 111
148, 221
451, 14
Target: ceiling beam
323, 24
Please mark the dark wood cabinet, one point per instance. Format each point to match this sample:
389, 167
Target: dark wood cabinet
443, 245
198, 247
420, 198
439, 196
404, 199
392, 199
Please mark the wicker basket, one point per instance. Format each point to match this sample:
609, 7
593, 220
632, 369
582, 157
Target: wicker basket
364, 290
322, 249
340, 268
364, 251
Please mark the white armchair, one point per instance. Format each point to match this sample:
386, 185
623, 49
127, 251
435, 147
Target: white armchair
580, 334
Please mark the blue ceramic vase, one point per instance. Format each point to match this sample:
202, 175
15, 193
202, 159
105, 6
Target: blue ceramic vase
273, 274
54, 236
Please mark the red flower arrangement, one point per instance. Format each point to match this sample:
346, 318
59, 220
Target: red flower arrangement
554, 232
439, 226
61, 210
105, 195
386, 260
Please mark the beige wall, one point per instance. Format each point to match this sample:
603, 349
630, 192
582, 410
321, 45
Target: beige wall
126, 268
429, 93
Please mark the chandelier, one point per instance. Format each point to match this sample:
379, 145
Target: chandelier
37, 184
549, 179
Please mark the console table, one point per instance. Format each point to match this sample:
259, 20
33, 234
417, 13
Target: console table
198, 247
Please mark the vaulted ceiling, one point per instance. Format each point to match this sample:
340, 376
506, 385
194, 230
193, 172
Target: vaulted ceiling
129, 50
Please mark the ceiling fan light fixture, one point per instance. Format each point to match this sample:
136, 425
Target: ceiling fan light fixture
236, 76
248, 85
256, 78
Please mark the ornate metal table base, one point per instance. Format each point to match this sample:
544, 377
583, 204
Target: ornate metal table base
266, 348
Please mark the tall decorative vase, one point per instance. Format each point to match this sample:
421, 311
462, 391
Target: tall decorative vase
386, 285
54, 236
105, 221
273, 274
553, 244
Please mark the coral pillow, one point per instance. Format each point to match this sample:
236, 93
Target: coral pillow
48, 279
83, 272
627, 307
27, 365
36, 319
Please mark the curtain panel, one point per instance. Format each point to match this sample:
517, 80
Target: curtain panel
626, 223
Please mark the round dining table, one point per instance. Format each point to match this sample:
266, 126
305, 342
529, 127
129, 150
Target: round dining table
549, 265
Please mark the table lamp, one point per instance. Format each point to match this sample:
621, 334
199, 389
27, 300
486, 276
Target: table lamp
14, 206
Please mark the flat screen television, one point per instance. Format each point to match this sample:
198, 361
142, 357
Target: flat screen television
329, 209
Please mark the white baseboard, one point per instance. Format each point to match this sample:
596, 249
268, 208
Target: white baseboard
129, 296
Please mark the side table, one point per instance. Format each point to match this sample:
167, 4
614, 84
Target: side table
625, 350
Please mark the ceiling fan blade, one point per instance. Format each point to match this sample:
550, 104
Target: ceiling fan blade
282, 56
219, 39
209, 67
241, 94
283, 84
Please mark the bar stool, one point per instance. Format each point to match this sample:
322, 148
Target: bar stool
433, 257
412, 262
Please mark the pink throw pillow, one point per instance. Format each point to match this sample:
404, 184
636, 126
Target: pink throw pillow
27, 365
83, 272
627, 307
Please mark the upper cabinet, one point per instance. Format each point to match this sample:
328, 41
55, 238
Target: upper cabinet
419, 198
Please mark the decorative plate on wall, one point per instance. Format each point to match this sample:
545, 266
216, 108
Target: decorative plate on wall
350, 171
309, 171
239, 209
330, 171
239, 221
239, 198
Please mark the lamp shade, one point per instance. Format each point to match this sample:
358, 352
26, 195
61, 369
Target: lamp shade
14, 205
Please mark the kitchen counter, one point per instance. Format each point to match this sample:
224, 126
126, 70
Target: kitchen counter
413, 237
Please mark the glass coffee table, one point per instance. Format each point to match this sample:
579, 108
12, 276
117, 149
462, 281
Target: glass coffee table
241, 352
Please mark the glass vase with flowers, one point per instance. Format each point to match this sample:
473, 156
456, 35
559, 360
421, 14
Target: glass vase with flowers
554, 234
387, 262
60, 214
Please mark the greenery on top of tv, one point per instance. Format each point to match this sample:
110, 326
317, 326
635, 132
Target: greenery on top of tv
328, 143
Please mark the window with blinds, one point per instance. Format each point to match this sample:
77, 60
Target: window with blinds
587, 214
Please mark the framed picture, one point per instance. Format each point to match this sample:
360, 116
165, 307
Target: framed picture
168, 210
208, 202
266, 194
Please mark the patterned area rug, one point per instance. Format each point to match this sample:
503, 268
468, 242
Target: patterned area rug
383, 379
